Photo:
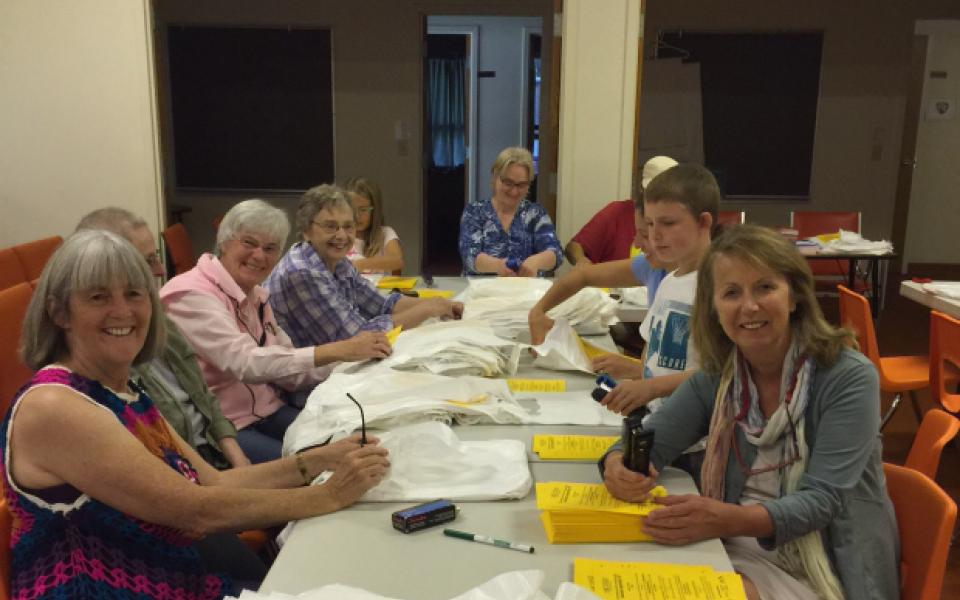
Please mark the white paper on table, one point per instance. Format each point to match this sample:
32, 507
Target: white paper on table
947, 289
561, 350
851, 241
429, 461
568, 408
512, 585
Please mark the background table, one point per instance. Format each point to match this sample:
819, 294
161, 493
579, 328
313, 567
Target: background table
877, 275
914, 291
359, 547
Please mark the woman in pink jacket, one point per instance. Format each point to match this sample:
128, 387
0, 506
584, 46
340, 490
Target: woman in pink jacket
223, 312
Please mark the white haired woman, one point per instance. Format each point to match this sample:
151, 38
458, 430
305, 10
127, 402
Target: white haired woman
222, 310
792, 478
107, 499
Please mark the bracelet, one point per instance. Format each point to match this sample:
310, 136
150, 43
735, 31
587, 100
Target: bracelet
302, 467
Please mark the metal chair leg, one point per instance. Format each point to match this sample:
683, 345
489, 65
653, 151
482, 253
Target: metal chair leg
916, 406
891, 410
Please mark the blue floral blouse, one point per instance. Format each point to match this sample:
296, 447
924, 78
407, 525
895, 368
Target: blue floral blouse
531, 232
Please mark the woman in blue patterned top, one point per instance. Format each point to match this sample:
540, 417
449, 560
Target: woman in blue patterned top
509, 235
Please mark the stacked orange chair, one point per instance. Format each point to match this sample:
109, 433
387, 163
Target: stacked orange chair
180, 248
729, 218
13, 373
33, 255
11, 271
6, 530
898, 374
925, 519
944, 349
935, 432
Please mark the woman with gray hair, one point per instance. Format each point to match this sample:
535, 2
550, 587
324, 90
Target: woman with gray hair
97, 480
317, 293
222, 310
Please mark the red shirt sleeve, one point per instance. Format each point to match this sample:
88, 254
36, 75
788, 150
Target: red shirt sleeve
608, 235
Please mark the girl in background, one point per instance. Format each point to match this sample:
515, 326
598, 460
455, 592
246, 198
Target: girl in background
376, 248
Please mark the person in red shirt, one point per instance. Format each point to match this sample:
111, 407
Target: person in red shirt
611, 233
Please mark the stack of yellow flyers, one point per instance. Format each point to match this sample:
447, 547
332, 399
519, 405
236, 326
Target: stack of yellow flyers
390, 282
435, 293
572, 447
576, 513
393, 334
612, 580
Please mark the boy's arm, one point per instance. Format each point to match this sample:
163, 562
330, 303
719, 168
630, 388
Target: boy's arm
575, 254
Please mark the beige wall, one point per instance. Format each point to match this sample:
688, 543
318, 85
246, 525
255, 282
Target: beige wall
934, 218
866, 54
377, 81
76, 114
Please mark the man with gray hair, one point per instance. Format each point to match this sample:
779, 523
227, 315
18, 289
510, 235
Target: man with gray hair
173, 380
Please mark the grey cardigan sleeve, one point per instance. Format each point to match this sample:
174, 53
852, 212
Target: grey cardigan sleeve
842, 428
682, 420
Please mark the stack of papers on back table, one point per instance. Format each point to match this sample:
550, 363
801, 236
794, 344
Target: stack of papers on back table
572, 447
577, 513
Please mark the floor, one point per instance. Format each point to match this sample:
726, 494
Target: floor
903, 328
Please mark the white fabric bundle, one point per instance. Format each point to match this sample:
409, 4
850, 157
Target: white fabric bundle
394, 398
561, 350
635, 295
851, 241
506, 301
428, 461
512, 585
454, 348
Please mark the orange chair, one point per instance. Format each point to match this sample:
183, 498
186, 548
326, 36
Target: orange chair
33, 255
13, 373
180, 247
11, 271
935, 432
898, 374
6, 530
925, 519
944, 348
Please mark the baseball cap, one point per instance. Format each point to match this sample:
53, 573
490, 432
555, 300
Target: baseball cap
655, 166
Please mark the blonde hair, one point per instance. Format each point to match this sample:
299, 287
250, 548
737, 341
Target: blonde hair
763, 248
373, 237
514, 155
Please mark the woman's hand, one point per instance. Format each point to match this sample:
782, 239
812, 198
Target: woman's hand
358, 471
629, 395
328, 457
689, 518
625, 484
528, 268
364, 345
540, 325
444, 309
503, 270
618, 366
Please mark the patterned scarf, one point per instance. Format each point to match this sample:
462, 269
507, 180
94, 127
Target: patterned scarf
737, 405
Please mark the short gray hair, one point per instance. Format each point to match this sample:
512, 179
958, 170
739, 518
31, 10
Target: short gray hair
253, 216
318, 198
118, 220
87, 259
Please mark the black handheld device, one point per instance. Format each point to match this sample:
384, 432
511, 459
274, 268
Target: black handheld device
637, 443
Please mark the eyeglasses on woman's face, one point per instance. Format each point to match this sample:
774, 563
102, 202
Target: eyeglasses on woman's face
332, 227
511, 185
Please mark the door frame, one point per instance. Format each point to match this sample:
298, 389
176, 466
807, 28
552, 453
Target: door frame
473, 34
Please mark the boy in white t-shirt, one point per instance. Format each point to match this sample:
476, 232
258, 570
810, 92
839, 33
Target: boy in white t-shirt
680, 207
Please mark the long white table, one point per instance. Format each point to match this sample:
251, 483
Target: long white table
359, 546
914, 291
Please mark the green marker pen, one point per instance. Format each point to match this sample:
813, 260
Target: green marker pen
486, 539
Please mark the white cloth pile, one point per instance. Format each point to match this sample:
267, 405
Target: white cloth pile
635, 295
512, 585
454, 348
851, 241
394, 398
428, 461
947, 289
506, 301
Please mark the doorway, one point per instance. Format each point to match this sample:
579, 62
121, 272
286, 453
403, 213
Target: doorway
482, 93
